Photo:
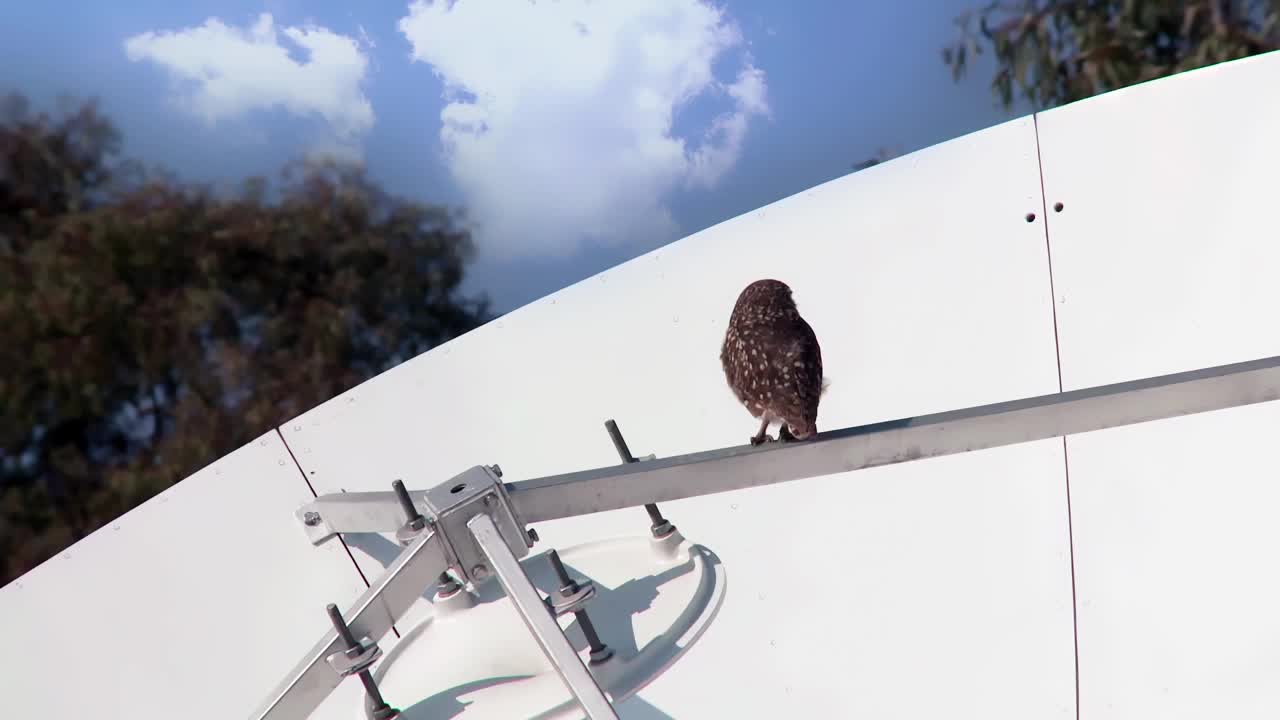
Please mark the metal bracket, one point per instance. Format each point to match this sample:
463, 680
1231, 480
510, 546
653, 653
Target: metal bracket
473, 493
563, 601
436, 529
355, 660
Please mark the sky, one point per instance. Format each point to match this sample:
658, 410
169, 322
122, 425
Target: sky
574, 134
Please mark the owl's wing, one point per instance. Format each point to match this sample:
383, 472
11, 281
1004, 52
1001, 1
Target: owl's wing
804, 356
735, 357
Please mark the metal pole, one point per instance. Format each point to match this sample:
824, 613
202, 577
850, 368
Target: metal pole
542, 624
897, 441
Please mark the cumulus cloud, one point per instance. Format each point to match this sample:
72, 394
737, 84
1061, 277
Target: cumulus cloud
558, 123
228, 71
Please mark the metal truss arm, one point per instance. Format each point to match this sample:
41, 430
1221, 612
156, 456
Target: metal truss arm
374, 612
898, 441
844, 450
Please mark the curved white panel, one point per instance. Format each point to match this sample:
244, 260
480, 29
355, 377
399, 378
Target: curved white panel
942, 587
191, 605
1176, 543
1165, 252
1164, 259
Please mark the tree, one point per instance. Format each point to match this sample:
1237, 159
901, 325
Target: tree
151, 327
1052, 52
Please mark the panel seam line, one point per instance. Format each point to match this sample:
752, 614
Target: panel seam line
341, 539
1066, 465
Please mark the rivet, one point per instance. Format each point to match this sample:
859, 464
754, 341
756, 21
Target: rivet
1031, 217
1057, 207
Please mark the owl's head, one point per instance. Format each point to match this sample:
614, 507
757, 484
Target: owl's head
767, 293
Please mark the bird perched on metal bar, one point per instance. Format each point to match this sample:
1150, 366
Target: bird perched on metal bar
772, 361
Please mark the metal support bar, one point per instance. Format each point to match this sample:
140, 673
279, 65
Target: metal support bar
897, 441
837, 451
542, 624
312, 680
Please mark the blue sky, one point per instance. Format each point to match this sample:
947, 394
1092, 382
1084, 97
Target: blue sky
557, 142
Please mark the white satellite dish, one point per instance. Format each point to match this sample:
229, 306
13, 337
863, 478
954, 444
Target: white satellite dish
474, 653
1006, 561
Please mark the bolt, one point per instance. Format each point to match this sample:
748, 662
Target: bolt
567, 585
619, 444
599, 651
379, 707
488, 499
385, 712
658, 527
311, 518
533, 535
661, 529
414, 519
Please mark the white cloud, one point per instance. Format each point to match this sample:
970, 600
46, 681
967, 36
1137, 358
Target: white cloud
558, 122
229, 71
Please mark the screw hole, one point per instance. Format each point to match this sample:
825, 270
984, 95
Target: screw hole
1057, 207
458, 488
1031, 217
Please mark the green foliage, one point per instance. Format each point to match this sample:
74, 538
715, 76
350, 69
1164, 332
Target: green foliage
150, 327
1052, 52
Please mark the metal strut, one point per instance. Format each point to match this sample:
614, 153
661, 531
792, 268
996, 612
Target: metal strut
474, 524
541, 623
836, 451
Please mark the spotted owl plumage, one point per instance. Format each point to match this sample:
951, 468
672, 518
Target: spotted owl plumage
773, 362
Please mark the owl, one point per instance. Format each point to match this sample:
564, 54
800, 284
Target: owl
772, 361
